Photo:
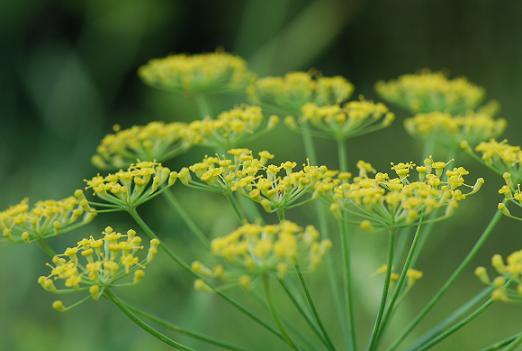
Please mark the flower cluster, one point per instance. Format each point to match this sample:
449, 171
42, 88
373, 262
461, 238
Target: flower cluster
22, 223
130, 188
385, 201
507, 286
431, 92
231, 128
501, 157
254, 250
343, 121
94, 265
412, 275
156, 141
275, 187
197, 74
447, 129
289, 93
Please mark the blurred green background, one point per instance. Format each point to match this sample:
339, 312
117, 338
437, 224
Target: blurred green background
68, 73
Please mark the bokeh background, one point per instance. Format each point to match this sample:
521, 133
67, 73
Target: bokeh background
68, 73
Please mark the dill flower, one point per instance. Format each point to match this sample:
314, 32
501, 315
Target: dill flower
500, 157
386, 201
197, 74
427, 91
512, 196
412, 275
254, 250
289, 93
507, 285
45, 219
156, 141
343, 121
232, 127
127, 189
94, 265
275, 187
447, 129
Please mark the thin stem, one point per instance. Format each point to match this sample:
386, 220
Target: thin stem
235, 206
453, 329
400, 283
140, 323
347, 281
187, 268
513, 346
275, 314
341, 150
467, 260
376, 326
313, 308
45, 247
166, 324
305, 315
203, 107
189, 222
503, 343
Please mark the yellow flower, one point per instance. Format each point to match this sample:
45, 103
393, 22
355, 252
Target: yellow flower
412, 275
383, 201
232, 127
254, 250
289, 93
130, 188
94, 265
156, 141
446, 129
501, 157
343, 121
49, 218
507, 284
197, 74
427, 91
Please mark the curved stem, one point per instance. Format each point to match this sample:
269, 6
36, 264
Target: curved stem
189, 222
313, 308
400, 283
347, 282
177, 329
503, 343
140, 323
187, 268
467, 260
387, 280
235, 206
514, 344
305, 315
275, 314
45, 247
454, 328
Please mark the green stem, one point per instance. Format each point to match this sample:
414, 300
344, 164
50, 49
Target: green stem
203, 107
453, 329
513, 346
341, 150
45, 247
323, 228
503, 343
168, 325
467, 260
134, 214
139, 322
189, 222
400, 283
305, 315
275, 314
347, 282
235, 206
377, 325
313, 308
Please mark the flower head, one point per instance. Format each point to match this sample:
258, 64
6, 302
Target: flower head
255, 250
412, 275
507, 285
197, 74
289, 93
232, 127
94, 265
501, 157
447, 129
130, 188
386, 201
348, 120
156, 141
49, 218
426, 92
